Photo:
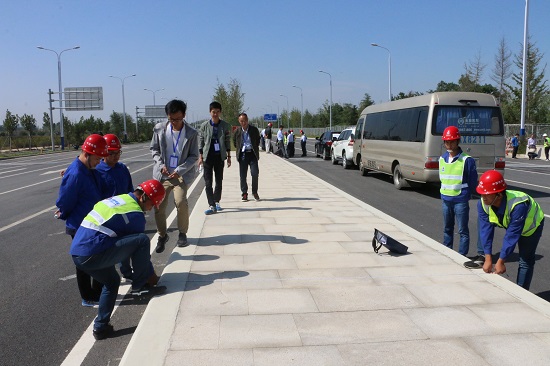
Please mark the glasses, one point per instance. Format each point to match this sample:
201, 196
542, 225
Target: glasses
173, 120
114, 153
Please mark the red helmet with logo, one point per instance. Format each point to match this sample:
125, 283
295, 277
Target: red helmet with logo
96, 145
451, 133
113, 143
491, 182
154, 190
270, 124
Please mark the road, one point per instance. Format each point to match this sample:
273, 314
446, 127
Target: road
40, 313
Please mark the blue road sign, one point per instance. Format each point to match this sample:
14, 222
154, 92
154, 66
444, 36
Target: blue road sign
270, 117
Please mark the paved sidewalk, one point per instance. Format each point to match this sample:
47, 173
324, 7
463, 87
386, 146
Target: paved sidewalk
291, 280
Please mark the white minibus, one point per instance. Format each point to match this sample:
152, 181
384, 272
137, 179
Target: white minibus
403, 138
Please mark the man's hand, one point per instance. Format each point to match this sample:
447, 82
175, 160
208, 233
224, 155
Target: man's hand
164, 171
500, 267
174, 175
228, 161
488, 265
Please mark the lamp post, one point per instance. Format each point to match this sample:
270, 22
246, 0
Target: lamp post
330, 107
60, 90
287, 110
302, 103
389, 66
123, 102
154, 94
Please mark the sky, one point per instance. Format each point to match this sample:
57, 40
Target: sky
187, 46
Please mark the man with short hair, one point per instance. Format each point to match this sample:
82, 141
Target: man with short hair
268, 136
546, 140
515, 146
175, 150
113, 231
246, 141
214, 149
281, 142
303, 141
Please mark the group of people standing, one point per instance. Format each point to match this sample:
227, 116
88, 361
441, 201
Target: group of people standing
517, 212
531, 146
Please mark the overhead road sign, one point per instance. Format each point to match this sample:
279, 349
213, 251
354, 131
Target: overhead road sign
83, 99
270, 117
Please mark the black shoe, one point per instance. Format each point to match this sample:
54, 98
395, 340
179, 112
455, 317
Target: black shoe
161, 243
256, 196
476, 262
148, 291
244, 197
182, 241
103, 333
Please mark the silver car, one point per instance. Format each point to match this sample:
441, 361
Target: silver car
342, 148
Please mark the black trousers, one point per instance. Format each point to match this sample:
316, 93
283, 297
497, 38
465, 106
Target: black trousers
304, 152
213, 169
89, 288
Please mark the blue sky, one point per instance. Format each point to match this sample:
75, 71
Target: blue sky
186, 46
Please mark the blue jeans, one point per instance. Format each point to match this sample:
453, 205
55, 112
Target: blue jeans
460, 211
101, 267
527, 246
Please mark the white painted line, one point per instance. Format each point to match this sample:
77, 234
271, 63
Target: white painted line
49, 209
30, 185
67, 278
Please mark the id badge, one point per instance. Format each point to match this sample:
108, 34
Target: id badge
173, 161
216, 147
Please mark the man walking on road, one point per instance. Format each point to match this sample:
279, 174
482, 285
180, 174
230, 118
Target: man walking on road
112, 232
303, 141
546, 141
175, 150
246, 141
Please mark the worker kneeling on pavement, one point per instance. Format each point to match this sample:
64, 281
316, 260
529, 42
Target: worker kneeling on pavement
112, 232
516, 212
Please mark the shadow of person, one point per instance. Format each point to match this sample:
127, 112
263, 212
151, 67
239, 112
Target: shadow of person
248, 238
198, 280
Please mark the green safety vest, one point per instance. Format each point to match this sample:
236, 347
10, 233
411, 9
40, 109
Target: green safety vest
106, 209
534, 215
547, 142
451, 175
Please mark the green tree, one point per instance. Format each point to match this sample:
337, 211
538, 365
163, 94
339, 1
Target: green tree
443, 86
471, 79
10, 125
536, 89
231, 98
365, 102
410, 94
502, 69
29, 125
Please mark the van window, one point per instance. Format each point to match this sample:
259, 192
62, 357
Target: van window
359, 127
469, 120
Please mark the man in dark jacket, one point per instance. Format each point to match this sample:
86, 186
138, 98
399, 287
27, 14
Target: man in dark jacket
247, 139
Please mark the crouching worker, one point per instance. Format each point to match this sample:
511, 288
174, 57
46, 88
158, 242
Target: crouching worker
112, 232
516, 212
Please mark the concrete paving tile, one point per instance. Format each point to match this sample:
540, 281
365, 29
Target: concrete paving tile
212, 240
311, 220
254, 280
357, 246
234, 221
511, 349
411, 353
226, 357
212, 280
544, 337
344, 260
315, 278
216, 250
387, 258
447, 294
247, 249
214, 302
356, 327
300, 356
349, 228
310, 247
271, 330
223, 263
320, 236
195, 331
297, 213
398, 275
448, 322
295, 228
525, 319
266, 262
489, 292
363, 297
281, 301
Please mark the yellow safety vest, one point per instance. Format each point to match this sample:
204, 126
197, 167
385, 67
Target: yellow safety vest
534, 215
106, 209
451, 175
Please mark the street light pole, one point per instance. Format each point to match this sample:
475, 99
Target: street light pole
330, 107
302, 102
60, 90
123, 102
389, 65
154, 94
277, 111
287, 110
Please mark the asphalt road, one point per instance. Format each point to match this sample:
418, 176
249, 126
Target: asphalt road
41, 319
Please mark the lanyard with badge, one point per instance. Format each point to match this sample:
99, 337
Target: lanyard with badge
215, 133
174, 157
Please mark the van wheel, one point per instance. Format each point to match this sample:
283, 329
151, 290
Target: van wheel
333, 158
362, 169
398, 181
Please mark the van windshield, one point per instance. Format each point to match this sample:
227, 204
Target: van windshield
473, 121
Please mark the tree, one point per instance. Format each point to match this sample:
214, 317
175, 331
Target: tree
502, 69
471, 79
536, 89
443, 86
410, 94
29, 125
10, 124
365, 102
232, 100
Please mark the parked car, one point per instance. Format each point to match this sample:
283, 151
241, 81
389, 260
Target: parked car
324, 142
342, 148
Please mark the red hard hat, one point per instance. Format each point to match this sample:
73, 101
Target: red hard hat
301, 131
491, 182
270, 124
451, 133
113, 143
96, 145
154, 190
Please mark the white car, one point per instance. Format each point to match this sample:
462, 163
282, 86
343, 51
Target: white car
342, 148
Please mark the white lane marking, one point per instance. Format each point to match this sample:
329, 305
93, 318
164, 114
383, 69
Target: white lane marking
67, 278
49, 209
86, 341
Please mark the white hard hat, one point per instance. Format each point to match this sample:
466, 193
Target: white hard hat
544, 135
